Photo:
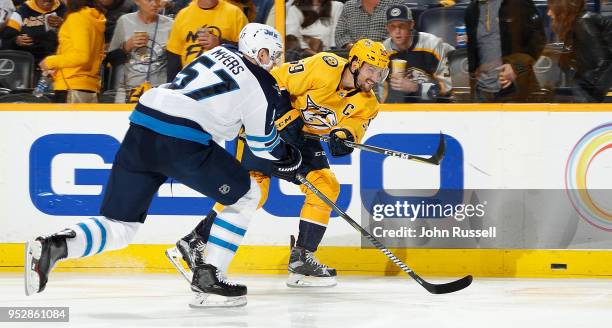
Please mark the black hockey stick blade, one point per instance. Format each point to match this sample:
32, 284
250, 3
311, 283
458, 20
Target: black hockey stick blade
446, 288
432, 288
436, 158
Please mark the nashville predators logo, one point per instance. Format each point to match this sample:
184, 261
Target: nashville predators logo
318, 117
419, 75
331, 61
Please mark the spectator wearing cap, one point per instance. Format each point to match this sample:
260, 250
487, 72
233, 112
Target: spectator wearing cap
505, 38
361, 19
426, 76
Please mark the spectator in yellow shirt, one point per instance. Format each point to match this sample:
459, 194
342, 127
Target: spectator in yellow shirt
76, 65
202, 25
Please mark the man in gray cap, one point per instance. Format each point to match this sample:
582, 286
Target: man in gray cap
426, 77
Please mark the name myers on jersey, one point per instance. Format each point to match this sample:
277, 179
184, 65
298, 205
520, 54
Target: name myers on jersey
228, 59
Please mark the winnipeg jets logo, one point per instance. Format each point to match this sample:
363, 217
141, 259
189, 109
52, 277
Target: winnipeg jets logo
318, 117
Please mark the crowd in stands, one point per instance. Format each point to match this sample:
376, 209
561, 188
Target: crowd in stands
443, 50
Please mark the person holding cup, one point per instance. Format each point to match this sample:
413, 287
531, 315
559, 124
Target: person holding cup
139, 39
137, 51
201, 26
419, 66
209, 37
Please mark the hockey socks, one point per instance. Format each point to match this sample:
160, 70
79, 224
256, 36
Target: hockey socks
96, 235
88, 237
229, 227
310, 235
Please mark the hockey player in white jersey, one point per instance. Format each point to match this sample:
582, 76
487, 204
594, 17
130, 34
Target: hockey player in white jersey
172, 133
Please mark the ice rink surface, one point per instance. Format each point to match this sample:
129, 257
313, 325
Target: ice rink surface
161, 300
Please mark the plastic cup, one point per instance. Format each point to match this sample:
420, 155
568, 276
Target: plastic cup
398, 66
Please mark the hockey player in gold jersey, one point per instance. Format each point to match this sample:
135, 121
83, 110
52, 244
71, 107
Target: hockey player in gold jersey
325, 94
329, 95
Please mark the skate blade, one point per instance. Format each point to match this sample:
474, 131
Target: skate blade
301, 281
204, 300
175, 257
33, 251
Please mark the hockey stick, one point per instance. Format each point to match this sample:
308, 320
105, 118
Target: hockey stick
432, 288
434, 159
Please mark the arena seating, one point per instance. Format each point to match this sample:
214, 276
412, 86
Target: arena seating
16, 70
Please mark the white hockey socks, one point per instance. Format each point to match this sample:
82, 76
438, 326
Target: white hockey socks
96, 235
229, 228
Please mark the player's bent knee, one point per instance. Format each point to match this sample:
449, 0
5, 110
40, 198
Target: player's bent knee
325, 180
315, 210
229, 188
251, 199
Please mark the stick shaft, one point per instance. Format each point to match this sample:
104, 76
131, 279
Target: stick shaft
355, 225
374, 149
432, 288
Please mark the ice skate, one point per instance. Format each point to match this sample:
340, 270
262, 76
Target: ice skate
175, 256
41, 255
191, 249
213, 289
205, 300
306, 271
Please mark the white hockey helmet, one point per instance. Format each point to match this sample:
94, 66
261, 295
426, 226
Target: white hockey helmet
254, 37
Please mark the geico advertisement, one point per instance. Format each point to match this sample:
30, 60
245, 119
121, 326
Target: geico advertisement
55, 166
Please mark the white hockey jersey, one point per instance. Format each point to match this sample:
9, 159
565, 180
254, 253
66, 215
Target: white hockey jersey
213, 97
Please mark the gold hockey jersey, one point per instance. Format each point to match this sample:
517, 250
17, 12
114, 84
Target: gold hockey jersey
314, 87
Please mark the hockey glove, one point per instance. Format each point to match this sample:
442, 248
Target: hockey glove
336, 142
288, 167
288, 121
